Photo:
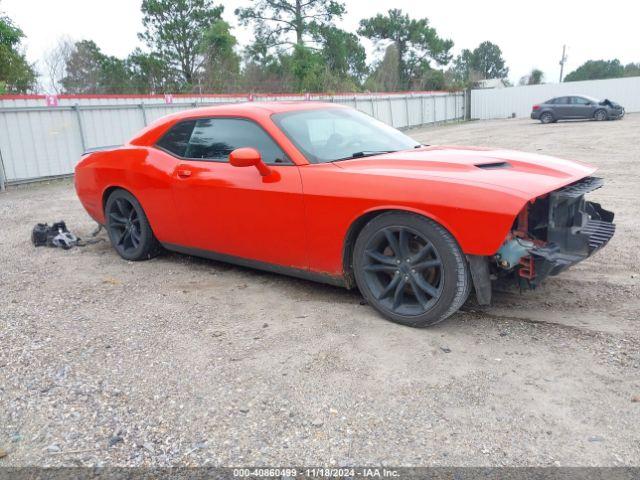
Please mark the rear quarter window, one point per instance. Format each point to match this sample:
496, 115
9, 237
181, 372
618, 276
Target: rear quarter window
176, 140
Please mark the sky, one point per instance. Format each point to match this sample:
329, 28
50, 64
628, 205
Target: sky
530, 34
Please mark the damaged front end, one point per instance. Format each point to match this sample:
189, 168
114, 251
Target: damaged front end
550, 234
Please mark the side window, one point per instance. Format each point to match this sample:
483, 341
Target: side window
176, 140
216, 138
580, 101
562, 101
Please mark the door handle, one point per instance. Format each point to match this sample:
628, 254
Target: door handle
184, 173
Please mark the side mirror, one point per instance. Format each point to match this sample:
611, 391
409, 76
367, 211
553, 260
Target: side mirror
248, 157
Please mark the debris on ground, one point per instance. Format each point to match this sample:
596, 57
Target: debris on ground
57, 235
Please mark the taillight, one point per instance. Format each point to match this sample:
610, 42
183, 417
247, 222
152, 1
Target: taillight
536, 107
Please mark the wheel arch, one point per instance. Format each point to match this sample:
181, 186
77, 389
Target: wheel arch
148, 245
157, 204
359, 223
112, 188
109, 190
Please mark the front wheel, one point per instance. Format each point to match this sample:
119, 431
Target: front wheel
600, 115
128, 227
410, 269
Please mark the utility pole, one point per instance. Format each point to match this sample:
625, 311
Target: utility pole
563, 60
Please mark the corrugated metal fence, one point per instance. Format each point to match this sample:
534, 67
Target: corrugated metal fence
40, 141
506, 102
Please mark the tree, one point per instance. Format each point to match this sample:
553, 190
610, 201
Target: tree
269, 76
115, 76
428, 78
297, 41
83, 69
463, 68
385, 76
307, 67
221, 65
596, 70
55, 63
89, 71
632, 70
484, 62
488, 61
16, 74
342, 52
149, 74
535, 77
175, 30
416, 42
281, 23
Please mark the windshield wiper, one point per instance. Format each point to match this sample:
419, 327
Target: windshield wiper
364, 153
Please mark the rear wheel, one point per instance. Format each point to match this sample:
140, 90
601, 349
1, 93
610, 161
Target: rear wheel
600, 115
410, 269
128, 227
547, 117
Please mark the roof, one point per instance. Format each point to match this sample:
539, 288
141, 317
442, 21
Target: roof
255, 107
252, 110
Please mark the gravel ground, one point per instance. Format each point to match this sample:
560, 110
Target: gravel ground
183, 361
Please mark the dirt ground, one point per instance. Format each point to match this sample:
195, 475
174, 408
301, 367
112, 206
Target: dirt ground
183, 361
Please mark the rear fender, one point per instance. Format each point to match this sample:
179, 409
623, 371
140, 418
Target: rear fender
144, 172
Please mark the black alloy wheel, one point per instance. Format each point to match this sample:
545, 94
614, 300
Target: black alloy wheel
403, 270
410, 269
128, 227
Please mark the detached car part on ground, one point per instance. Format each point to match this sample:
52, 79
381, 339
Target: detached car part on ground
576, 107
327, 193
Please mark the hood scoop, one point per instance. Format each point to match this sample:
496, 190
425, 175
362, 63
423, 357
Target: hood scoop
493, 165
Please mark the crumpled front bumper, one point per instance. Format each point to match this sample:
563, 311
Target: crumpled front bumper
552, 233
575, 230
616, 113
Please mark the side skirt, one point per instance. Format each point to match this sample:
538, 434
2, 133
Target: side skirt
337, 281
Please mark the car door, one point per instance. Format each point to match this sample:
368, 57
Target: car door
562, 108
236, 211
582, 107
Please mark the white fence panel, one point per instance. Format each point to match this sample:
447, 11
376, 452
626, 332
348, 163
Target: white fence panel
510, 101
104, 127
39, 141
37, 144
154, 112
365, 105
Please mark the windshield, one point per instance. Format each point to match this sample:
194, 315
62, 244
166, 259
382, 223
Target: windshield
331, 134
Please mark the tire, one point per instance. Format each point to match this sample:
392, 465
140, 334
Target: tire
429, 281
128, 227
547, 117
600, 115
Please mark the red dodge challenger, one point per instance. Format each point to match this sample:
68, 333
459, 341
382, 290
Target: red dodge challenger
324, 192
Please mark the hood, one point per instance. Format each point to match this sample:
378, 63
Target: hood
525, 174
610, 103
